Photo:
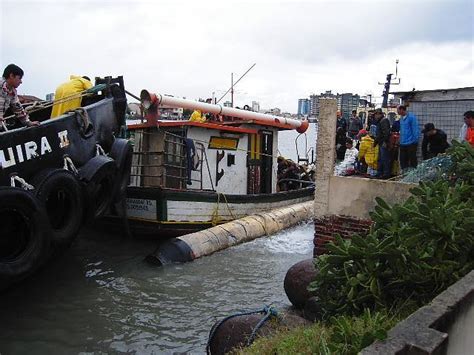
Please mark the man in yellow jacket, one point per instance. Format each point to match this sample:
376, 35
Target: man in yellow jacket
369, 154
72, 88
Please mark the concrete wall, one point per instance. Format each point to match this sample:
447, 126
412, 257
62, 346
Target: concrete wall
355, 197
445, 326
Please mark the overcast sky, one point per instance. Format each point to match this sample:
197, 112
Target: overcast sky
190, 48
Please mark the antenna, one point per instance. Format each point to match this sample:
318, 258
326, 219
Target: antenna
231, 89
387, 84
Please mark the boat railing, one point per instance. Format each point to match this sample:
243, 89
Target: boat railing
170, 167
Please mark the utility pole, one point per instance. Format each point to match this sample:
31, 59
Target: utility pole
387, 84
231, 89
232, 84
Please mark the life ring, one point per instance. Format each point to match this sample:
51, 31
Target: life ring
24, 234
60, 192
122, 153
98, 175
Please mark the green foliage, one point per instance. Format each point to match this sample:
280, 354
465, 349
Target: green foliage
414, 249
462, 155
338, 335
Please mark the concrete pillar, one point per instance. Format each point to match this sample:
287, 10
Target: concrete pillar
325, 154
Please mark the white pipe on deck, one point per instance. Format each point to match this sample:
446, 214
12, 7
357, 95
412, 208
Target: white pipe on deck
300, 125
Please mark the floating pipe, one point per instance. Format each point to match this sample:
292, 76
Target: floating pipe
195, 245
148, 99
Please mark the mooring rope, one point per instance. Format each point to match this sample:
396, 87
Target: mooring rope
268, 311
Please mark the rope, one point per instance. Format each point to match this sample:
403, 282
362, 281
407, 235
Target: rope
4, 126
267, 310
228, 207
74, 96
100, 150
24, 184
215, 213
69, 165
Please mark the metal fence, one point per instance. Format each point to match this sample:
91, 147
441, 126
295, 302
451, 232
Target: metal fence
445, 115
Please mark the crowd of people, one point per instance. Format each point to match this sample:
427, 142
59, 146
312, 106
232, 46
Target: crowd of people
383, 149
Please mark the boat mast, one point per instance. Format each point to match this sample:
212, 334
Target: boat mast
387, 84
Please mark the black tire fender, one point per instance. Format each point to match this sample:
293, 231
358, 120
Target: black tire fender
122, 153
24, 235
98, 174
61, 193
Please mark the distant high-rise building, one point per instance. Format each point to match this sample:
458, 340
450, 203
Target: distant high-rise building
314, 101
348, 102
303, 107
50, 97
255, 106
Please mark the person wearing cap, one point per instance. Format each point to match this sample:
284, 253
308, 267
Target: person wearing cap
409, 136
435, 141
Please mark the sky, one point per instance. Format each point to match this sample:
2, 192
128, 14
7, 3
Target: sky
190, 48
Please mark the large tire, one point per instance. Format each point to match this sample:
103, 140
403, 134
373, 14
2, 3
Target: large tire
24, 235
121, 152
98, 174
60, 192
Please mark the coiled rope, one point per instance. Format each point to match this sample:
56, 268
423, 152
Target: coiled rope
268, 311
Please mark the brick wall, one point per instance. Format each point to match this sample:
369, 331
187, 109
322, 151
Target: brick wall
326, 227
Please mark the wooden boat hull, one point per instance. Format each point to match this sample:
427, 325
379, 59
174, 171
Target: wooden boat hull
170, 212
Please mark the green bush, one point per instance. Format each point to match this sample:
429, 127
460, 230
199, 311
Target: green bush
414, 249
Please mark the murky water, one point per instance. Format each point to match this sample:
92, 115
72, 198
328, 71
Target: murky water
100, 297
291, 144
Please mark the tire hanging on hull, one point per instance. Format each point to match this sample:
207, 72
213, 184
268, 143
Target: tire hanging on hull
98, 174
60, 192
121, 152
24, 235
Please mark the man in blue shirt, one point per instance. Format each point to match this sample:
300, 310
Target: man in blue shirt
409, 135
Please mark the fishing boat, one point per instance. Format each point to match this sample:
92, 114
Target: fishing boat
189, 175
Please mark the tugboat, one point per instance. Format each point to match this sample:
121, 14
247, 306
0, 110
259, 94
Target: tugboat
190, 175
56, 176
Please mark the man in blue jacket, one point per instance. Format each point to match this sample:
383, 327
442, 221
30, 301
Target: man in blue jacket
409, 135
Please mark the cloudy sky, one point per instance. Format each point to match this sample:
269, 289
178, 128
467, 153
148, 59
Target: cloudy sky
190, 48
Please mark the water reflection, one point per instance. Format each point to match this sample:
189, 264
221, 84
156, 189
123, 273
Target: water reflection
100, 297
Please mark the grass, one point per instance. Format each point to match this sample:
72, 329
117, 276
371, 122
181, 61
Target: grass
337, 335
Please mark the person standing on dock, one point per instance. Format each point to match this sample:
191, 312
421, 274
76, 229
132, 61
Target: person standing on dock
409, 135
355, 125
469, 120
10, 81
382, 140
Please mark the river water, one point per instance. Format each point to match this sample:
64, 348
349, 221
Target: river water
100, 297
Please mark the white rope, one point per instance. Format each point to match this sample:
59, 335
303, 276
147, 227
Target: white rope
4, 126
23, 183
100, 150
69, 165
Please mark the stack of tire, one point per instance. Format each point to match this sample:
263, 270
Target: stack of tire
37, 224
